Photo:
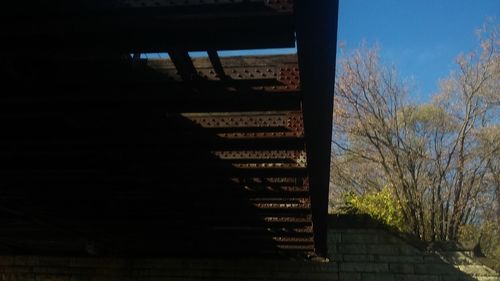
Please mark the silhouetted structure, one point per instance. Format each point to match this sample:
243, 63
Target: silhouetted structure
104, 153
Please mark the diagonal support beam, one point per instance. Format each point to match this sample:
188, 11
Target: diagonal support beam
217, 64
184, 64
316, 30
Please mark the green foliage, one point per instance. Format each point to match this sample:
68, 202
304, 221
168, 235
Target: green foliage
380, 205
440, 158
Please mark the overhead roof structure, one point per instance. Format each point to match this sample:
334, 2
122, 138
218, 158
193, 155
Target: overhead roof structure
105, 153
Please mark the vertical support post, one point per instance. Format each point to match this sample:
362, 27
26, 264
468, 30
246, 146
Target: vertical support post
316, 31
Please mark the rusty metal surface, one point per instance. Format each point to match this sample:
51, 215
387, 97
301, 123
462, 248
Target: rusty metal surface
107, 154
172, 6
282, 6
120, 26
217, 182
279, 77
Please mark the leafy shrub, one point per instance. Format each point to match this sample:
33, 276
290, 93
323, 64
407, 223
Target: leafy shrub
380, 205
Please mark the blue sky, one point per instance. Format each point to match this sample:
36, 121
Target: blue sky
421, 38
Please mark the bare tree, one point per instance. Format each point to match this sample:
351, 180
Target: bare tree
439, 158
470, 96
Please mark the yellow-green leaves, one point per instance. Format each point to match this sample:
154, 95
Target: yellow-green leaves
381, 205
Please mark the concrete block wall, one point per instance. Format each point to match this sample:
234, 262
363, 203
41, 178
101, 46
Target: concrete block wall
376, 254
356, 254
25, 268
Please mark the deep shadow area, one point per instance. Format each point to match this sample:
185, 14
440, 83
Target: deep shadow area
131, 25
116, 157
